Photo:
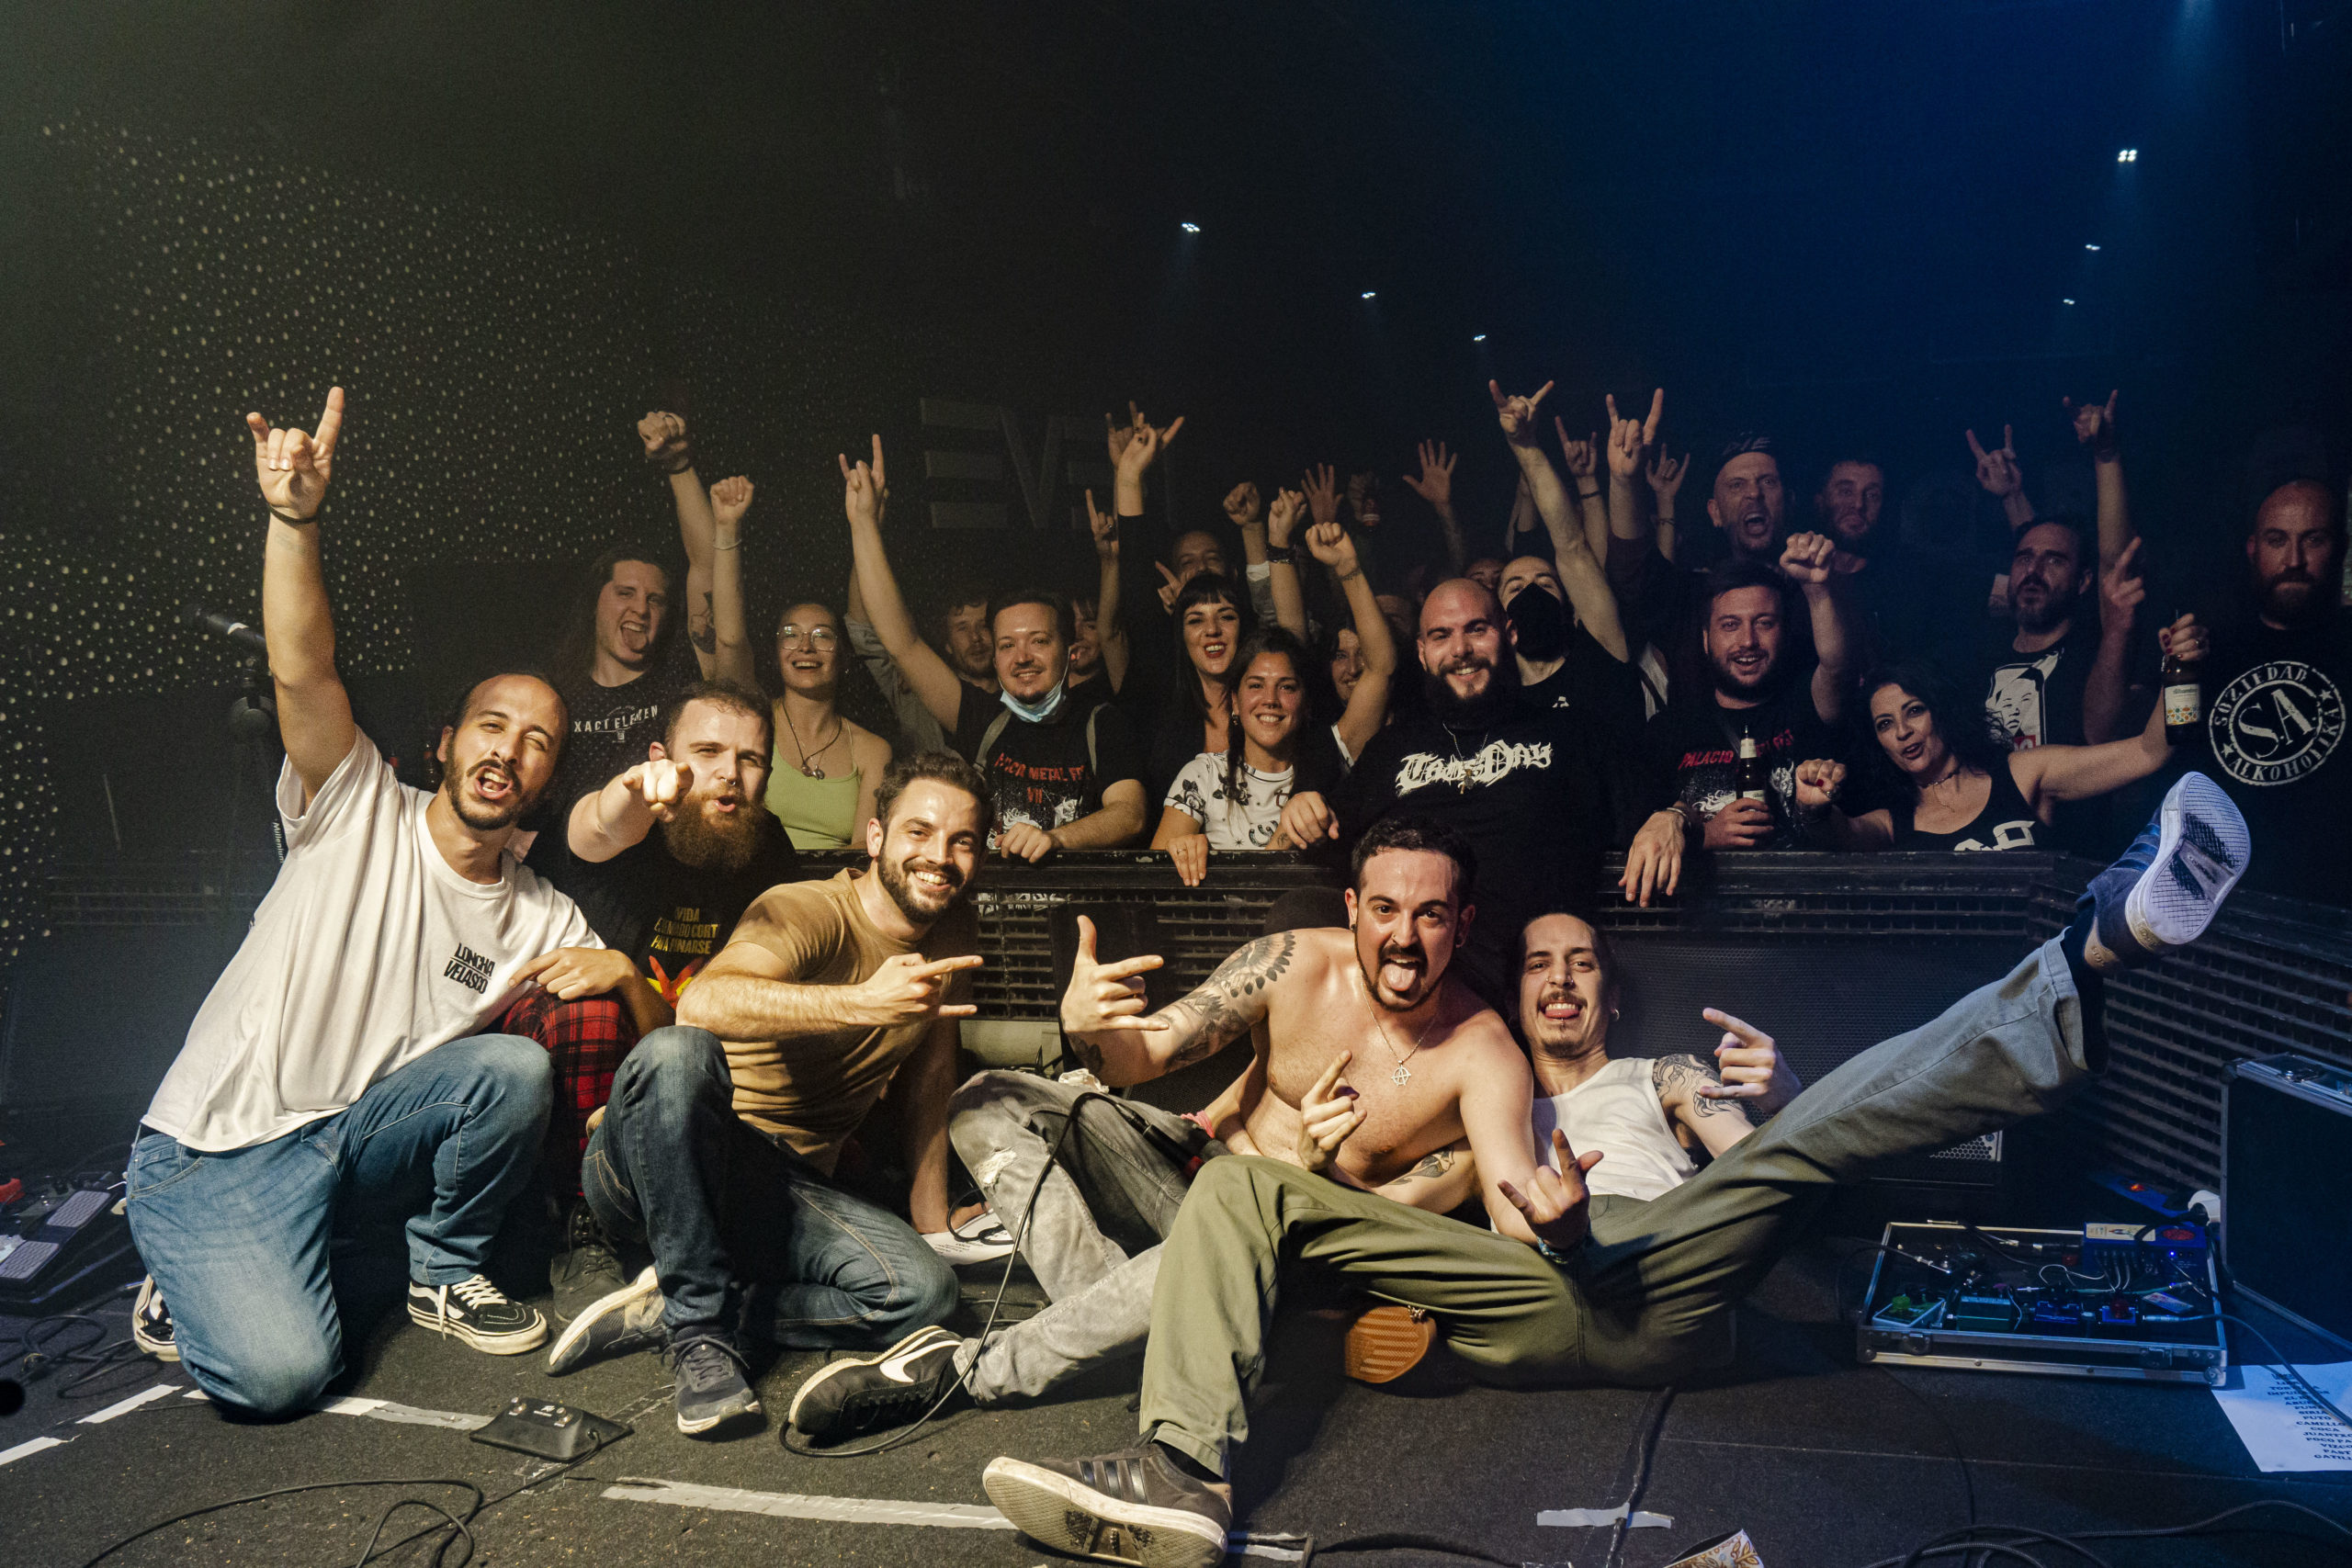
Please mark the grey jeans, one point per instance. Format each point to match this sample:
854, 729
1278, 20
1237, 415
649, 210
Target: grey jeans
1093, 1238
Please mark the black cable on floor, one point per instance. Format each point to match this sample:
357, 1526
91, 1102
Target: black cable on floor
283, 1492
1390, 1540
2287, 1367
1648, 1441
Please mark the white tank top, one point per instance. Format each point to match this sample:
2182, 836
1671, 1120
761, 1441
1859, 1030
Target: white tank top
1616, 1112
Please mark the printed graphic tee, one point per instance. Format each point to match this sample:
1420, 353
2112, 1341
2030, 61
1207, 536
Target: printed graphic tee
2274, 739
369, 952
1693, 750
1039, 773
612, 725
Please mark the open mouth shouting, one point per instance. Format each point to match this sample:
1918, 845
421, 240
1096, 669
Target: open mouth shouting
495, 785
1402, 970
1748, 665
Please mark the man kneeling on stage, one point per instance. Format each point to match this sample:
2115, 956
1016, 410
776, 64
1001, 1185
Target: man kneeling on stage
718, 1147
333, 1093
1630, 1294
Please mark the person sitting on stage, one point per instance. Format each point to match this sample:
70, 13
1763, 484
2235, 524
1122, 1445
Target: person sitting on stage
1559, 1292
718, 1148
333, 1073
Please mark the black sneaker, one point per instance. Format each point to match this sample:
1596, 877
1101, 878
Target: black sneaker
2166, 888
587, 1269
860, 1392
1133, 1508
711, 1387
626, 1319
150, 1322
478, 1311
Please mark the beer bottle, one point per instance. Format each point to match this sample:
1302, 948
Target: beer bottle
1751, 779
2183, 686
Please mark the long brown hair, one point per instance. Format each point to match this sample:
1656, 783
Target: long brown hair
575, 649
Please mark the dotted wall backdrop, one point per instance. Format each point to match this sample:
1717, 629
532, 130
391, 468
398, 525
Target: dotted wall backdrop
495, 366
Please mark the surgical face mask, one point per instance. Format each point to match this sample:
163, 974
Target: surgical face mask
1039, 711
1541, 623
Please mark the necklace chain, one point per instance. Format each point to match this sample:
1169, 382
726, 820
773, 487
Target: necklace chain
807, 758
1401, 1074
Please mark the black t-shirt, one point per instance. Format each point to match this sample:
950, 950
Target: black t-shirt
1693, 753
1590, 681
1041, 772
666, 914
1539, 796
2036, 699
1666, 604
2274, 739
612, 725
2007, 822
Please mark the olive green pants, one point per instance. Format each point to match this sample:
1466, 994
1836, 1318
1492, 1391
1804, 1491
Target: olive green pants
1648, 1298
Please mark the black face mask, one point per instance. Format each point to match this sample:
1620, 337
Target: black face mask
1541, 623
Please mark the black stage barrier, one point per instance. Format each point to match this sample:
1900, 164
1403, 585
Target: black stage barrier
1830, 953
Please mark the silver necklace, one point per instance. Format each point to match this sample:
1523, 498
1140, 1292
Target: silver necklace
808, 763
1401, 1074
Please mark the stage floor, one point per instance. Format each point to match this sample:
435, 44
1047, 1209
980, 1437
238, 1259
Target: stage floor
1826, 1463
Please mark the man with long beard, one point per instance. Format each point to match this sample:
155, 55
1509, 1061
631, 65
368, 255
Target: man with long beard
336, 1070
718, 1148
1537, 794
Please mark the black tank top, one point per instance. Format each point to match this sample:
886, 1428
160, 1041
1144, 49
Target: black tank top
2007, 822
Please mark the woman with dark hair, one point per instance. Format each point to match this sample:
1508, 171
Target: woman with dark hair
1231, 797
1949, 782
1211, 613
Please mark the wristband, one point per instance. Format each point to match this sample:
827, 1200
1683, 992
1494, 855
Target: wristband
1553, 1254
1279, 555
1584, 494
686, 460
291, 522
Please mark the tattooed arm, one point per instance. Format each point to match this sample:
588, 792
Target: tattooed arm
1099, 1010
1440, 1181
1717, 1123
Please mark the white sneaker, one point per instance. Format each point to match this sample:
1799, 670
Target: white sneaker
979, 1239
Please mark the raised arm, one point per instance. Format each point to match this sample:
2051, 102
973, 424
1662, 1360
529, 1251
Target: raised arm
1368, 707
670, 449
1282, 532
750, 992
864, 491
1583, 461
1246, 510
1527, 1199
2046, 774
2095, 428
1818, 779
1105, 1021
1110, 630
1805, 562
1665, 475
1630, 443
314, 710
1998, 471
731, 652
1580, 572
1436, 486
619, 816
2107, 690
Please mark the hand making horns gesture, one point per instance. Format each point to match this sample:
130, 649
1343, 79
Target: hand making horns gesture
866, 490
1517, 413
1100, 998
1554, 1204
293, 467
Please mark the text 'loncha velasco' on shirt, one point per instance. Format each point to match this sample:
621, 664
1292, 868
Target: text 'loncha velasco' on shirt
1493, 763
469, 969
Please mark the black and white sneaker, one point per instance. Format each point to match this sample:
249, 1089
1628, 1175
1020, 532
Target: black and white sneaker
2166, 888
151, 1323
1134, 1507
712, 1387
627, 1319
478, 1311
862, 1392
587, 1269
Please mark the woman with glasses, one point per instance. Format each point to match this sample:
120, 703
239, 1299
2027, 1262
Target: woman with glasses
822, 788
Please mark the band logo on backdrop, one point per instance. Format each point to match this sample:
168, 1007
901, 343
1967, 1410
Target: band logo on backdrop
975, 486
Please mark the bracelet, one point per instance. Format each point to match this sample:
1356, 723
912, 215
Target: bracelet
686, 461
1584, 494
717, 546
291, 522
1553, 1254
1278, 555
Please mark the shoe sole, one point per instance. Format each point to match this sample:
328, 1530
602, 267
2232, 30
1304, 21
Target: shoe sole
517, 1342
162, 1349
2200, 853
959, 1251
831, 1369
1060, 1512
1386, 1342
646, 1283
696, 1428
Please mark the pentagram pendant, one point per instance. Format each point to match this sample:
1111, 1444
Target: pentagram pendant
1401, 1075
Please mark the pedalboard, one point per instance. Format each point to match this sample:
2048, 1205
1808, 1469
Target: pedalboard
549, 1430
2136, 1302
59, 1244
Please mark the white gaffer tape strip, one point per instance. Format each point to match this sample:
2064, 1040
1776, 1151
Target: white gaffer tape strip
124, 1407
851, 1510
406, 1415
27, 1449
793, 1505
1587, 1519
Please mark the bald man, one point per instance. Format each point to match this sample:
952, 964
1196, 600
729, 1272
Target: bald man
1539, 794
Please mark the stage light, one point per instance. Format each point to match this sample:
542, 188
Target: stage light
2129, 155
1480, 338
2088, 247
1192, 228
2065, 301
1367, 294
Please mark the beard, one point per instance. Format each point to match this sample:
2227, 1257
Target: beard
725, 842
480, 816
917, 903
2055, 607
1472, 713
1729, 684
2290, 598
1414, 956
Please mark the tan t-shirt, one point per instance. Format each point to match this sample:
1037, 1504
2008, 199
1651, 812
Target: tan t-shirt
813, 1090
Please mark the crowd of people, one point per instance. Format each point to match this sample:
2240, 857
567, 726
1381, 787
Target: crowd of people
583, 989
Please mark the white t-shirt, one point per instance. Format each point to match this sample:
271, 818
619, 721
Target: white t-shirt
1246, 824
1616, 1111
369, 952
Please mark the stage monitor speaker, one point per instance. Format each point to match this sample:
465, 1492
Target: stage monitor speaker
96, 1013
2286, 1189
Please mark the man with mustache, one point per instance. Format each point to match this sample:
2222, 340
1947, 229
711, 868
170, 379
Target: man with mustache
335, 1072
718, 1148
1065, 772
2274, 690
662, 860
1558, 1289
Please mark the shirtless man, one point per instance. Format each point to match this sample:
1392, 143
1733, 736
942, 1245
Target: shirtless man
1096, 1218
1635, 1296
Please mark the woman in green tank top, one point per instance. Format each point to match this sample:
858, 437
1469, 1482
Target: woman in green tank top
822, 788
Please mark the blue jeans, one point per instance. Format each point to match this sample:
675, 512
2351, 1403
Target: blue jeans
741, 1227
260, 1251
